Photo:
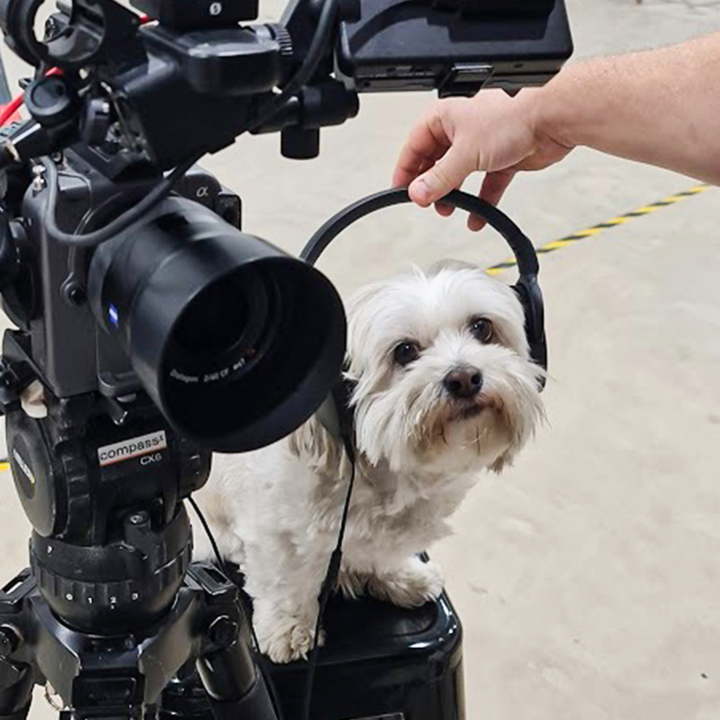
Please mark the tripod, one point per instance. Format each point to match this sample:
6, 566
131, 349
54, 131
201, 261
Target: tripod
112, 609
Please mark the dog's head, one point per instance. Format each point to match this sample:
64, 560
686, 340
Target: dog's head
442, 369
444, 383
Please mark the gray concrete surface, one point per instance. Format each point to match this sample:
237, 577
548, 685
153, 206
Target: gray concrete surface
587, 577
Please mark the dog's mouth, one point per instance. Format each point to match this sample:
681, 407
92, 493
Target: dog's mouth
470, 409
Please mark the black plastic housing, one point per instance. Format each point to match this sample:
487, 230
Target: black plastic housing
197, 90
382, 661
378, 661
394, 45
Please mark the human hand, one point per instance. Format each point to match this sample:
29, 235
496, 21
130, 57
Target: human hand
491, 132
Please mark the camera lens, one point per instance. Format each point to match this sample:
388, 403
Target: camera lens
226, 327
235, 341
217, 321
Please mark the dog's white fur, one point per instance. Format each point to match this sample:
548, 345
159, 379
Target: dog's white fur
276, 511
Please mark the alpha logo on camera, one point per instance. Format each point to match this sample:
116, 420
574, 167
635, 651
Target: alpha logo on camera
132, 448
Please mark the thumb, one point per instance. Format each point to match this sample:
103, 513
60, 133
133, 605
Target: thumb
444, 176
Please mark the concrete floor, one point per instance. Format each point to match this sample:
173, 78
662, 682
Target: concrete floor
587, 577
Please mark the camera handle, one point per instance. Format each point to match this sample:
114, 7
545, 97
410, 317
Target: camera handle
120, 676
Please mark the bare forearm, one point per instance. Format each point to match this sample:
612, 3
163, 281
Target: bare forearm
660, 107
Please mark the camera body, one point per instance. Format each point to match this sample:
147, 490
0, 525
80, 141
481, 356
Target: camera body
45, 292
233, 307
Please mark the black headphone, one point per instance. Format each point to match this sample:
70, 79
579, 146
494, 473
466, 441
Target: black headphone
336, 414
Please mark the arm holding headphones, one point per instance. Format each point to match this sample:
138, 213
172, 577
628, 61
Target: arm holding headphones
659, 107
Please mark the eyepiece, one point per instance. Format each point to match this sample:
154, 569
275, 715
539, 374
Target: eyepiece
236, 342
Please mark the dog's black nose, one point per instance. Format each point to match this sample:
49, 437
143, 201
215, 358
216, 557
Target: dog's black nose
463, 382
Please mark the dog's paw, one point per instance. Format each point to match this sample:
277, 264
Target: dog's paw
285, 637
410, 585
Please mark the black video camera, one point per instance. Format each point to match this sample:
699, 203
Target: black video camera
151, 329
131, 100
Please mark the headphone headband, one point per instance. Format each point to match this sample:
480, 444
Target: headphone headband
521, 246
527, 287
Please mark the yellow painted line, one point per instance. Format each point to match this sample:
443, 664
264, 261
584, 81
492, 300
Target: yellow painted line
602, 227
558, 244
4, 467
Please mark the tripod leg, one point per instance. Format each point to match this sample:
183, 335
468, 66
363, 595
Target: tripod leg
184, 697
234, 684
16, 686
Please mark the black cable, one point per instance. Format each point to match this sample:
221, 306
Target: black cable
331, 578
274, 697
528, 266
123, 222
210, 536
310, 63
219, 559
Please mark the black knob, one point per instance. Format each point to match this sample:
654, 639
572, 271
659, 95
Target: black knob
299, 144
9, 640
223, 631
51, 101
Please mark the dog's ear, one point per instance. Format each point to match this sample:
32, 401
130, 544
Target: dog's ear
317, 448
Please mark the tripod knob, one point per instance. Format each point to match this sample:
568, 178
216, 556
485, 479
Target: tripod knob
9, 640
118, 586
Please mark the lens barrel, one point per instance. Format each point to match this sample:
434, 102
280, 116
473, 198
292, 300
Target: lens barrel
236, 342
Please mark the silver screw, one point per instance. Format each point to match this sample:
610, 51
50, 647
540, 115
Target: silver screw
38, 182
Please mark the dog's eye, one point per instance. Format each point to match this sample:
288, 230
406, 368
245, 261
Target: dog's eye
405, 353
482, 329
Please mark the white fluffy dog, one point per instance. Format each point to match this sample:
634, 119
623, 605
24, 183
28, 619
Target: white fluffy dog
445, 388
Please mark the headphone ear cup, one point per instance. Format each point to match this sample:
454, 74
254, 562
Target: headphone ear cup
335, 414
530, 296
